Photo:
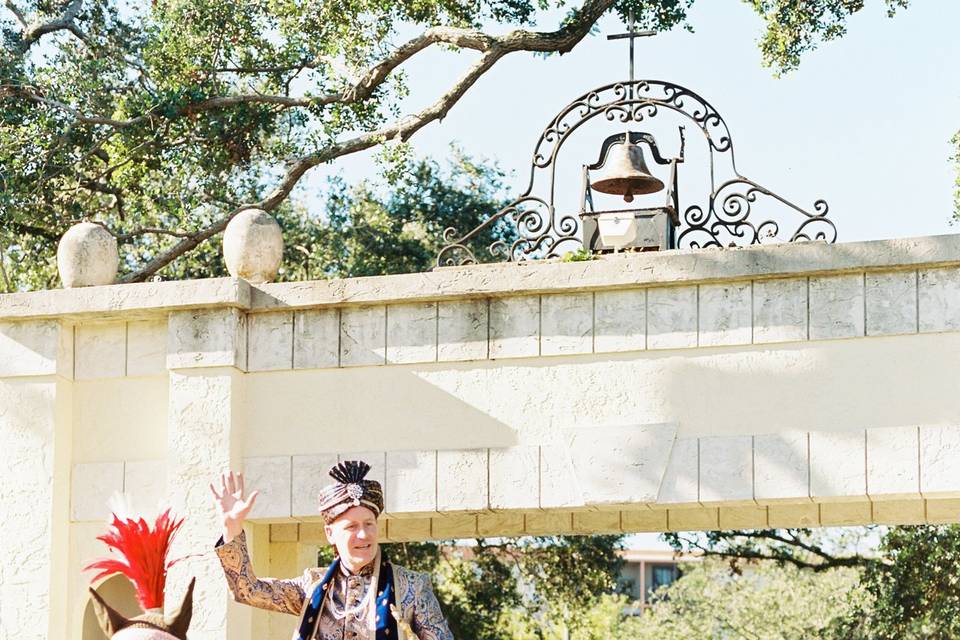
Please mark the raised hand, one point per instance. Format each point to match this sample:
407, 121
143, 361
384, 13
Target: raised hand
233, 504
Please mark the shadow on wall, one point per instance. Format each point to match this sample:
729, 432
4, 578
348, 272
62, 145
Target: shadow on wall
840, 385
829, 385
363, 408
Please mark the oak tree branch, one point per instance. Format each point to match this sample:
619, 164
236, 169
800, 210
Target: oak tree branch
492, 50
33, 31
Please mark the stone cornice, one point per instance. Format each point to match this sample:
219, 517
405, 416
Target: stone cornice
126, 301
491, 280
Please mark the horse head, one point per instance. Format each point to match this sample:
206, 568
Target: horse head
152, 625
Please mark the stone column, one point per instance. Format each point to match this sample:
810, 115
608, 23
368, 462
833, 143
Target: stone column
36, 371
288, 557
206, 358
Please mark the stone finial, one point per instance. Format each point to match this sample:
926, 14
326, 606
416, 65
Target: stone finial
253, 246
87, 256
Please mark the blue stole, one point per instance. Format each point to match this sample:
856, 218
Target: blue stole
386, 595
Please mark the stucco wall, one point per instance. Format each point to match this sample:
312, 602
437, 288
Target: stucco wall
829, 386
793, 385
120, 419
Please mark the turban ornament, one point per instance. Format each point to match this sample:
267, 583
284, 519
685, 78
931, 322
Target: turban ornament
350, 489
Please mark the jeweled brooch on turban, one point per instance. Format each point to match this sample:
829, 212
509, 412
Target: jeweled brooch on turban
350, 489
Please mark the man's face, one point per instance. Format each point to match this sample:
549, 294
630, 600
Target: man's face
355, 534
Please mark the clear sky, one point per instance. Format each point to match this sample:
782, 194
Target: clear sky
864, 123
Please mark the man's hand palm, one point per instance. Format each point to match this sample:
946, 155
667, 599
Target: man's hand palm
234, 505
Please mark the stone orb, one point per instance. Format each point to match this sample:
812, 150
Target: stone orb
253, 246
87, 256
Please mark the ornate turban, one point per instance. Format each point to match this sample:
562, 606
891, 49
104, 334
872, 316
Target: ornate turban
350, 490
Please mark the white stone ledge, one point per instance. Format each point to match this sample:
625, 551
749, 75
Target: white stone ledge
510, 322
270, 341
119, 349
686, 266
146, 347
309, 476
272, 477
609, 520
731, 314
893, 463
126, 300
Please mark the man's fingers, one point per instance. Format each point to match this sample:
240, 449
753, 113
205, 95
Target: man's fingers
253, 498
240, 484
231, 483
213, 490
223, 484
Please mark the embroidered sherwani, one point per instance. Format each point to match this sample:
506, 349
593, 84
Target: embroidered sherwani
343, 616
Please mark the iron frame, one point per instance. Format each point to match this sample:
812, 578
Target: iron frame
723, 221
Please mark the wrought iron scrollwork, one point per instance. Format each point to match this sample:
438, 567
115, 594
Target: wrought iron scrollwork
728, 218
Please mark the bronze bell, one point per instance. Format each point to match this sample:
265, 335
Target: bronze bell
623, 171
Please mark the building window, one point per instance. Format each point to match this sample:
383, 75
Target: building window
660, 575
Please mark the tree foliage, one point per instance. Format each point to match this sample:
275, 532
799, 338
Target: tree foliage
908, 589
761, 601
914, 592
794, 27
509, 589
816, 550
367, 233
163, 119
364, 229
606, 617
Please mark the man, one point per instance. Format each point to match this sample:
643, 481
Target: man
352, 598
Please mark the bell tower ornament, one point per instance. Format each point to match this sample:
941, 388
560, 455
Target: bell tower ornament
623, 171
737, 210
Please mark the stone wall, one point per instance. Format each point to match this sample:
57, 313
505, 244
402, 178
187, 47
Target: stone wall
770, 386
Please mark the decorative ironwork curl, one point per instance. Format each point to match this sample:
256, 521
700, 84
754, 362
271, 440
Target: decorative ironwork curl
724, 221
730, 223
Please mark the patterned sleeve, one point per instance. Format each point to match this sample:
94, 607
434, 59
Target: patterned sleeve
285, 596
428, 620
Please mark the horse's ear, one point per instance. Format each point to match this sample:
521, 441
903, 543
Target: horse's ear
111, 620
179, 621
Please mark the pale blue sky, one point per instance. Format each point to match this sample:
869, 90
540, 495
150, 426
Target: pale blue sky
864, 123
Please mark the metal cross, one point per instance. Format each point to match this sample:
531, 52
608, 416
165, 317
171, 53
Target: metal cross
632, 35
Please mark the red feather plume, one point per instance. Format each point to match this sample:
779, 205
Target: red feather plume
143, 555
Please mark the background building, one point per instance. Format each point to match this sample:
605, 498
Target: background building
646, 570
